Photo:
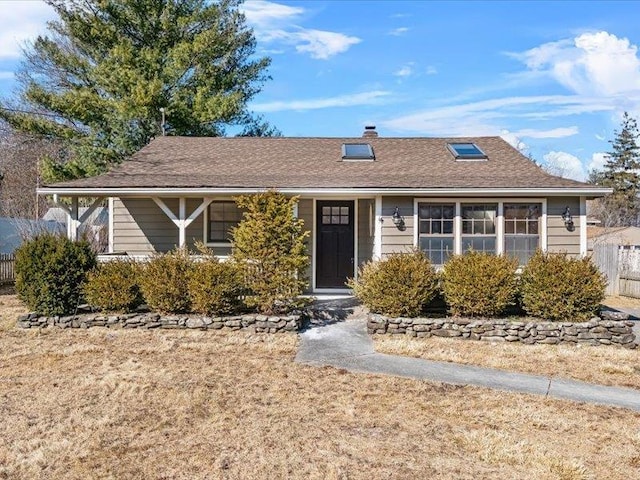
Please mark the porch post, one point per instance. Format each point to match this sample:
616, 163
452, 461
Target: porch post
377, 233
583, 226
181, 222
72, 220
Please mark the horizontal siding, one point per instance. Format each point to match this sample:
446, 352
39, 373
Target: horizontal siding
365, 230
140, 227
559, 238
394, 239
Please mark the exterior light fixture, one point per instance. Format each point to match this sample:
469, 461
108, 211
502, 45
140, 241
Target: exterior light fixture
397, 219
567, 218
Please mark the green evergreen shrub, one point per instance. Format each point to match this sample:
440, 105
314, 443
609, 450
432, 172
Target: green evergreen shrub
269, 246
114, 286
215, 287
479, 284
401, 285
559, 287
50, 272
164, 282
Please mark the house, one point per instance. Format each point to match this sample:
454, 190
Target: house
361, 198
622, 236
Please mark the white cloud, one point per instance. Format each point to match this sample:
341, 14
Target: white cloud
4, 75
564, 165
363, 98
261, 13
431, 70
490, 117
599, 64
561, 132
275, 23
598, 161
20, 22
405, 70
397, 32
514, 140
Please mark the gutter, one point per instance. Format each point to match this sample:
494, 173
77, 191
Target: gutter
346, 191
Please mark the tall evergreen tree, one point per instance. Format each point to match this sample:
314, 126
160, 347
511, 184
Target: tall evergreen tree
621, 172
100, 76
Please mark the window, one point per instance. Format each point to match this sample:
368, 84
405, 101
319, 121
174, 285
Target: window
335, 215
222, 217
357, 151
521, 230
479, 227
466, 151
436, 230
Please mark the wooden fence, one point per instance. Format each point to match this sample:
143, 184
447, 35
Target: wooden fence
7, 270
621, 265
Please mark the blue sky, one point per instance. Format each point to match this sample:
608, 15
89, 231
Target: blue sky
552, 78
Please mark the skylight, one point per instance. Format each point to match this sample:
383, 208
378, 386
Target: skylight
357, 151
466, 151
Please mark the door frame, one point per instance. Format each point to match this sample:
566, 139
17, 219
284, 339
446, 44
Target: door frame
315, 242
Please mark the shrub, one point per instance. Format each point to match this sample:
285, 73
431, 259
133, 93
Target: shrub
50, 272
215, 287
114, 286
559, 287
269, 245
400, 285
479, 284
164, 282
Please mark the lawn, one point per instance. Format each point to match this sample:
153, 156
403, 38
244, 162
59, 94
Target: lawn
103, 403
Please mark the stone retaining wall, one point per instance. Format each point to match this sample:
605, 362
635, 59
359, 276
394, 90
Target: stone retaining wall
257, 323
612, 328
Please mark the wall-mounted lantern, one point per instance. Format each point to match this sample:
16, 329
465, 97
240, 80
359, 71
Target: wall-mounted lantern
397, 219
567, 218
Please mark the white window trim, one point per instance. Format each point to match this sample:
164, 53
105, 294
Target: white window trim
205, 225
457, 223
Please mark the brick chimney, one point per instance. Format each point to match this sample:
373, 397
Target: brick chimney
370, 132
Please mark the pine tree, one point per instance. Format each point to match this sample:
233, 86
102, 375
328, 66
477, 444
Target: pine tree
621, 172
269, 244
98, 79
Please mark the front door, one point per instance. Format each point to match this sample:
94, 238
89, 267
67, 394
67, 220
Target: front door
334, 243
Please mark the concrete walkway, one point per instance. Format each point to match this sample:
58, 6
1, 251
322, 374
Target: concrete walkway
346, 344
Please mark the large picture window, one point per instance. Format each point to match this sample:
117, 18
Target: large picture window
223, 215
522, 230
479, 227
436, 234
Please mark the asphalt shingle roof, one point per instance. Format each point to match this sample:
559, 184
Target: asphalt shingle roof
281, 162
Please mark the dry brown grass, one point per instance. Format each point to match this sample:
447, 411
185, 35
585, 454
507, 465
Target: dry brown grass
102, 403
604, 365
621, 302
10, 308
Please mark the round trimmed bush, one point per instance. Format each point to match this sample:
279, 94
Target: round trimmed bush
164, 282
50, 272
215, 287
558, 287
401, 285
479, 284
114, 286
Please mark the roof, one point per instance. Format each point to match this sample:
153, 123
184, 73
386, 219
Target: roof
287, 163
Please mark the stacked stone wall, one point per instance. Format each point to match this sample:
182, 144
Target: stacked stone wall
612, 328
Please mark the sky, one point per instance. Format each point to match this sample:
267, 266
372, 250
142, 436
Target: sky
552, 78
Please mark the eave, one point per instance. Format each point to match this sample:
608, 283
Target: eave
343, 191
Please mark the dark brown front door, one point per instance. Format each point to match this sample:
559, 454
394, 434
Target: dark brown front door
334, 248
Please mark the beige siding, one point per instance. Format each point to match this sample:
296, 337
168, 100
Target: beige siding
393, 238
365, 230
559, 239
140, 227
305, 212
